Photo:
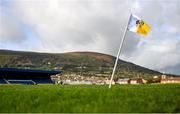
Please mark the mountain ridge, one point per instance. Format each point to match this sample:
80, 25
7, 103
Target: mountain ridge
81, 63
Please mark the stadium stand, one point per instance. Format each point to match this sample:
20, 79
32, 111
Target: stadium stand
44, 81
21, 82
2, 81
26, 76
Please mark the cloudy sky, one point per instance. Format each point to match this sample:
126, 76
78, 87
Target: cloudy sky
94, 25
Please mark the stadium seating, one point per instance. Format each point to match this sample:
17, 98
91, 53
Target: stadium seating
43, 81
26, 76
2, 81
20, 81
25, 81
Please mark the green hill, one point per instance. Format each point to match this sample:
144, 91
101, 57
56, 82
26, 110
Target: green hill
80, 63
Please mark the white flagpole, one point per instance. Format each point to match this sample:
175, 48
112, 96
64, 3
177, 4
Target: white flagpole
120, 47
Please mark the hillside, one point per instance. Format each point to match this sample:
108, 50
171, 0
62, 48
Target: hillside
81, 63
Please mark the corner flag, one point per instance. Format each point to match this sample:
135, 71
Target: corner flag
137, 25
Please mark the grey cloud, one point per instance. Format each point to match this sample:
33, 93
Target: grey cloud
10, 29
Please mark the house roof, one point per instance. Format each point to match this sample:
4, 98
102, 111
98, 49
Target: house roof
126, 79
177, 78
136, 79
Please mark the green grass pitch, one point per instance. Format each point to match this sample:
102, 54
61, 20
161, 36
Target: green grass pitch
90, 98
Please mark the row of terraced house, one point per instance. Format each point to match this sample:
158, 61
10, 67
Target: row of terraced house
97, 80
101, 81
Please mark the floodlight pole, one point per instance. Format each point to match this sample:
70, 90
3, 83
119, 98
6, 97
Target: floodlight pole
119, 52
